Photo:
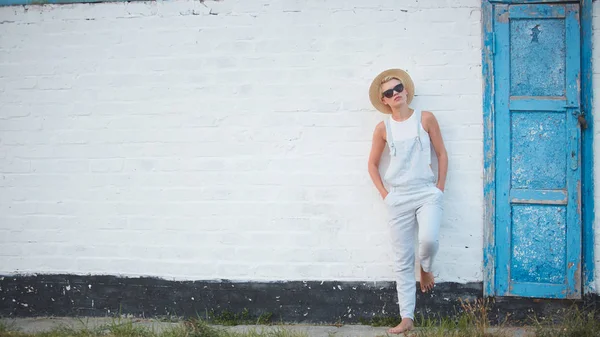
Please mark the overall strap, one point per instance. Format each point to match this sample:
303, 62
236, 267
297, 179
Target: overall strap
389, 137
418, 123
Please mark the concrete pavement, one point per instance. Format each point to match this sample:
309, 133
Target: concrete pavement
41, 324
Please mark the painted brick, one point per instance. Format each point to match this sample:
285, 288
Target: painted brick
226, 139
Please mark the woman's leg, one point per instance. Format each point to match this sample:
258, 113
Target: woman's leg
429, 218
402, 233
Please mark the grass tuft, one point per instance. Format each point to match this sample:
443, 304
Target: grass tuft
229, 318
473, 321
572, 322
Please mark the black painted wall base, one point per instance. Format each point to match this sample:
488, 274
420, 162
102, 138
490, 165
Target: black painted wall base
290, 302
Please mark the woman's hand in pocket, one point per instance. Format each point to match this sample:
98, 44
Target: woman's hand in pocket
384, 194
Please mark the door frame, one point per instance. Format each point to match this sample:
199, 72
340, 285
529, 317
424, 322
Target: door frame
489, 151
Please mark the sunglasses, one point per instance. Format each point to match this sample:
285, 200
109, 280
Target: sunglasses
390, 92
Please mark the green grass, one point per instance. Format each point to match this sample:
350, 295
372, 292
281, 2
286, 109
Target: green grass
573, 322
230, 318
473, 321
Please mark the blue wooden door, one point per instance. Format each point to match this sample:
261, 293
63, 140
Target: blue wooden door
537, 140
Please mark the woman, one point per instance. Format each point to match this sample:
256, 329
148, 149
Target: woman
414, 197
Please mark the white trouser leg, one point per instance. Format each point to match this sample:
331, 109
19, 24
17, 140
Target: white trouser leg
402, 233
423, 208
429, 217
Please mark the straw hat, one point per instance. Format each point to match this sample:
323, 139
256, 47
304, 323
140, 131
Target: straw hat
375, 94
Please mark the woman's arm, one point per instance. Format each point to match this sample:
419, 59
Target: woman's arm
377, 147
432, 127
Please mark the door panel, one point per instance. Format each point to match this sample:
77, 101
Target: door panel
537, 138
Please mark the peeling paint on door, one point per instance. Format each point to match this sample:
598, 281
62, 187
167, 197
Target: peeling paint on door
538, 150
539, 243
537, 159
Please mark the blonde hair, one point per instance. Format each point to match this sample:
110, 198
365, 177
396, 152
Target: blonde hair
387, 79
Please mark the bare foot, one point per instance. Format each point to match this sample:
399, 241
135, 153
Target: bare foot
404, 326
427, 281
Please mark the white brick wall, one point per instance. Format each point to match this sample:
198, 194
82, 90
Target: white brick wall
227, 139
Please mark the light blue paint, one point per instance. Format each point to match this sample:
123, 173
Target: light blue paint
538, 160
543, 290
547, 197
502, 141
574, 215
537, 104
539, 244
491, 11
587, 145
536, 156
489, 230
537, 57
529, 1
534, 11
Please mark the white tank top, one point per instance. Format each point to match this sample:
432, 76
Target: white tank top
407, 128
